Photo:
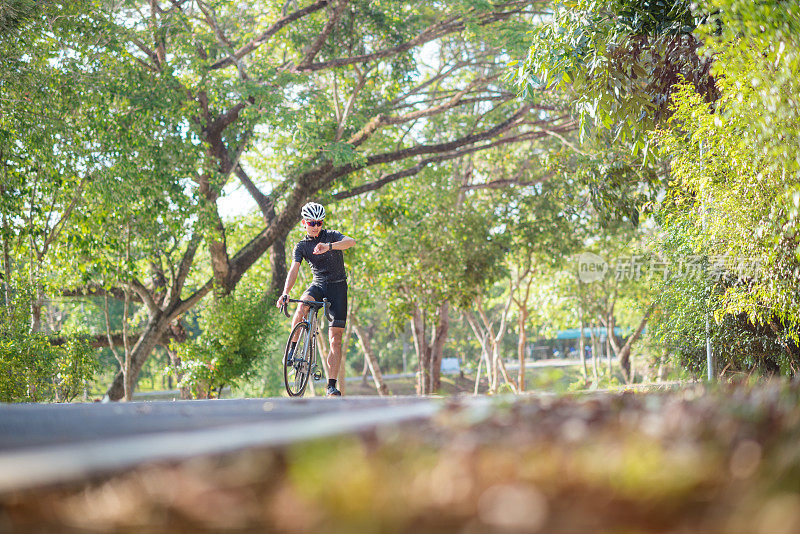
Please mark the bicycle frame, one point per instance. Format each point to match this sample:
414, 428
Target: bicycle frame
308, 361
312, 318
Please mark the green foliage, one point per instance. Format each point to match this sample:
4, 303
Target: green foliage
76, 366
719, 79
32, 369
13, 13
618, 58
426, 245
735, 193
236, 339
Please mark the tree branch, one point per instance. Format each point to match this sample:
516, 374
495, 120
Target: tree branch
384, 120
211, 20
97, 341
145, 295
362, 80
265, 36
174, 293
312, 50
95, 290
432, 33
427, 149
439, 76
388, 157
59, 226
265, 204
183, 306
388, 178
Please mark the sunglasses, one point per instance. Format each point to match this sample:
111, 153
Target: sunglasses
314, 223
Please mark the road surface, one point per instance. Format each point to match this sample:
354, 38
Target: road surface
50, 443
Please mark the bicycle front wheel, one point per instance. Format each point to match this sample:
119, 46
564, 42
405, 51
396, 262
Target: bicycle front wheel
297, 370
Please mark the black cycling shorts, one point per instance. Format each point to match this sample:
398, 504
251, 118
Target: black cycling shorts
336, 293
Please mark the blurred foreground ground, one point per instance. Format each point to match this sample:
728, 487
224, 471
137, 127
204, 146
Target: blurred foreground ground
695, 460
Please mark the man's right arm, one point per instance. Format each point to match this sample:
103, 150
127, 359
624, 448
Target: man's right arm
291, 278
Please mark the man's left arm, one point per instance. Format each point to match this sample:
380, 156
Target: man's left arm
340, 242
343, 244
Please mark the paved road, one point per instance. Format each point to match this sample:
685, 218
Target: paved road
34, 425
46, 444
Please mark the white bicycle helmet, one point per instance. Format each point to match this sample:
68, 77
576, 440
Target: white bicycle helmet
313, 212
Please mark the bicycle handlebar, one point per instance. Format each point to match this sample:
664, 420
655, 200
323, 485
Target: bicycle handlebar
284, 307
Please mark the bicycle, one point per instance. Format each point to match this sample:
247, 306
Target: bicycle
303, 363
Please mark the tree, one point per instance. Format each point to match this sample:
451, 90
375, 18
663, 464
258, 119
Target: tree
282, 95
426, 252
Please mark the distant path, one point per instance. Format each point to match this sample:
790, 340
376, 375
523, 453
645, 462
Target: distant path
510, 364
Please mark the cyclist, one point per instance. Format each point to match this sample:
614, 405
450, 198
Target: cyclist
322, 249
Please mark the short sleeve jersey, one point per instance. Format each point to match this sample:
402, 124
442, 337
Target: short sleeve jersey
327, 267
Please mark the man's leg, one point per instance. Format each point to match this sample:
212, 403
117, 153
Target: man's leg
335, 355
337, 293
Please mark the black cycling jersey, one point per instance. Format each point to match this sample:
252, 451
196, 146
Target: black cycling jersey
327, 267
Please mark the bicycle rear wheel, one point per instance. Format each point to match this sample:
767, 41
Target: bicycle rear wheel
297, 370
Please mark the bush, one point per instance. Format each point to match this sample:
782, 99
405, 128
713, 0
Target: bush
34, 370
237, 338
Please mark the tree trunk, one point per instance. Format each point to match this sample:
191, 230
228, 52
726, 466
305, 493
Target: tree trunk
624, 353
608, 356
582, 349
662, 362
405, 356
437, 346
126, 370
36, 315
593, 344
482, 335
7, 274
478, 373
322, 345
179, 335
277, 261
521, 322
506, 377
175, 361
429, 354
423, 351
365, 371
366, 347
345, 344
153, 332
498, 366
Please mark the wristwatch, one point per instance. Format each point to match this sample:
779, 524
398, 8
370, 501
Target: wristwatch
330, 247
